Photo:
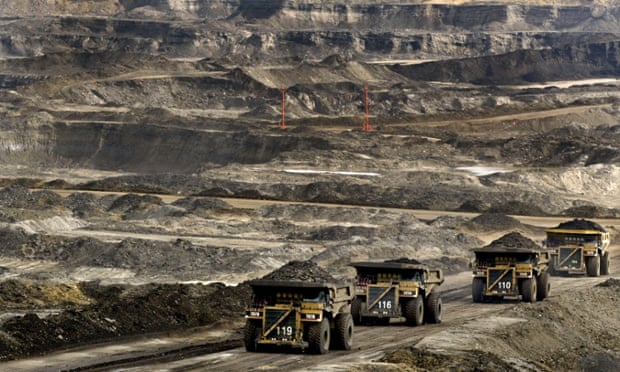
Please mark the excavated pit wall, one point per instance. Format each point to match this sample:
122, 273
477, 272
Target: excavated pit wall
139, 148
316, 29
246, 47
365, 14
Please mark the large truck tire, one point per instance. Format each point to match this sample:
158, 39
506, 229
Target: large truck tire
432, 313
478, 289
343, 332
414, 311
544, 286
250, 335
593, 266
529, 290
552, 270
318, 337
358, 306
605, 262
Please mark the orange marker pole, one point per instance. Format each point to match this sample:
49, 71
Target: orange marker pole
366, 126
282, 124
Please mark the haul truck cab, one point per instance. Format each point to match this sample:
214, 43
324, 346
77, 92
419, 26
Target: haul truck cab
579, 251
306, 315
500, 272
401, 288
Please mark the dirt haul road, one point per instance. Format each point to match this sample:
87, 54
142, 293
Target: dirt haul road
466, 326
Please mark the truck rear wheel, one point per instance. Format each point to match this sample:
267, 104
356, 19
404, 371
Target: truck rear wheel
477, 289
544, 286
605, 264
414, 311
357, 307
529, 290
250, 335
593, 266
318, 337
432, 313
343, 332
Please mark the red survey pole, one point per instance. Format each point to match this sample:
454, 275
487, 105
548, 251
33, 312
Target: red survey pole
366, 126
282, 124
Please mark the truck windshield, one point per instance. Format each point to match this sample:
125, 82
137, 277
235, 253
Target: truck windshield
484, 260
557, 240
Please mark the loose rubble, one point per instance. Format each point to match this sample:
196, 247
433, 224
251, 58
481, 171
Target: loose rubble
98, 313
306, 271
513, 240
581, 224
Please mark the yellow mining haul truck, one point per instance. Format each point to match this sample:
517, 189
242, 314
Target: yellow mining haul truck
306, 315
396, 289
579, 251
500, 272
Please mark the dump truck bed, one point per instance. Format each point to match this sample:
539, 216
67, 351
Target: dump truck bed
339, 291
574, 231
389, 265
542, 256
509, 250
294, 284
434, 276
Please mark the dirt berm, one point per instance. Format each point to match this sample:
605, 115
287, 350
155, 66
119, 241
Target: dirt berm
78, 313
568, 332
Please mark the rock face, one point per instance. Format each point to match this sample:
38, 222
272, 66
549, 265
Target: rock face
582, 60
169, 149
258, 28
389, 16
248, 31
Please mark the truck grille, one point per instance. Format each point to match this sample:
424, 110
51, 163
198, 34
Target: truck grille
570, 258
501, 281
384, 304
284, 325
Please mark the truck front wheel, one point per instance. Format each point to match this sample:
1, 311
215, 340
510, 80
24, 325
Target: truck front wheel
605, 264
529, 290
593, 266
432, 313
414, 311
357, 307
544, 287
318, 337
343, 332
250, 335
478, 289
552, 270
